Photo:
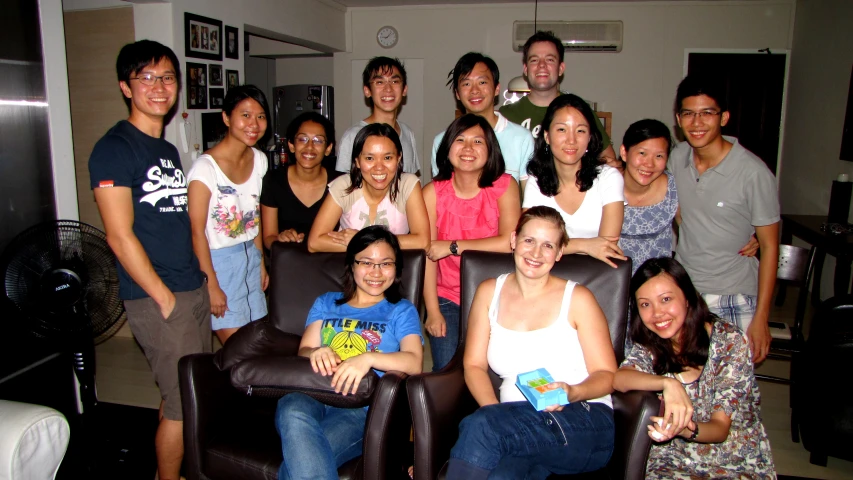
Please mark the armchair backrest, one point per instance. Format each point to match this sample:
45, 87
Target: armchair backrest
609, 285
298, 277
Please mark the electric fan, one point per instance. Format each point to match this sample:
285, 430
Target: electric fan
61, 277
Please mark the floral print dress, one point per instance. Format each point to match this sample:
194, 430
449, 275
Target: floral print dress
647, 230
727, 383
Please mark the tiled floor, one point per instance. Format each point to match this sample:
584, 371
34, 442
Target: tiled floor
123, 377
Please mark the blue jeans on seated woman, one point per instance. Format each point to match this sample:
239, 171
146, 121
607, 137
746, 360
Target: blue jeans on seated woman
513, 441
443, 348
316, 439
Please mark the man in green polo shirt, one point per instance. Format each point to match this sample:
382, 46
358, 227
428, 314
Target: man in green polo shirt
543, 67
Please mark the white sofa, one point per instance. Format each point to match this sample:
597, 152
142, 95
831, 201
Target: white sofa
33, 441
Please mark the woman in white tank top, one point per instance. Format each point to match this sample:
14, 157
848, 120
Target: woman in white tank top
526, 320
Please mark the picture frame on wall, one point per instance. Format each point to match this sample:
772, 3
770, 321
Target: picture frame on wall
215, 75
232, 78
232, 42
196, 75
217, 97
202, 37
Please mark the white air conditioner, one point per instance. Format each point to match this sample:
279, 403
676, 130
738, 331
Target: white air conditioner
576, 36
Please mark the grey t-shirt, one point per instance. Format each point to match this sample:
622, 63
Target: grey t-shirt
411, 162
719, 211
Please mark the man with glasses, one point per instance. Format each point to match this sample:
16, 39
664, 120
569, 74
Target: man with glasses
725, 194
543, 68
475, 80
384, 83
141, 193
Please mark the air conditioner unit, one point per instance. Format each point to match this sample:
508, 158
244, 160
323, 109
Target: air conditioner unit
576, 36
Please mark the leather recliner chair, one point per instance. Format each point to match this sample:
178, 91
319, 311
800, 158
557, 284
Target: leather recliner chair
229, 435
440, 400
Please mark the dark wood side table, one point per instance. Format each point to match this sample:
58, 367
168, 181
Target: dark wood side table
840, 246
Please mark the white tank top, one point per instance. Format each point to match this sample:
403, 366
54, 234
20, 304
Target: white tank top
555, 348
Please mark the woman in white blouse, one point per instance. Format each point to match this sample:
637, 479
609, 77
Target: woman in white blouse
565, 174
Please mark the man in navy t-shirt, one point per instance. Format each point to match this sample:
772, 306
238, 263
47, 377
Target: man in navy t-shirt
141, 193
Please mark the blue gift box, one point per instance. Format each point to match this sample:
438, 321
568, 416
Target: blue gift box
532, 385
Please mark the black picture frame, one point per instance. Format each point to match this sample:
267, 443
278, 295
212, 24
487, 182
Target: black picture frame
196, 78
232, 78
202, 37
232, 48
215, 75
217, 97
213, 129
847, 133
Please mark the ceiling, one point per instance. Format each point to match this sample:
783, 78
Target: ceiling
395, 3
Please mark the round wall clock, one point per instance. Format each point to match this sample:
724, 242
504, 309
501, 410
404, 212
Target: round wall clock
387, 37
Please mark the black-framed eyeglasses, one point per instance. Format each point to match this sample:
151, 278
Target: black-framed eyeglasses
316, 140
690, 114
150, 80
384, 266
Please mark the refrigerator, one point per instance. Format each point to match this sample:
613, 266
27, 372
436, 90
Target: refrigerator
292, 100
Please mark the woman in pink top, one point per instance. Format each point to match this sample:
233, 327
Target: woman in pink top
472, 204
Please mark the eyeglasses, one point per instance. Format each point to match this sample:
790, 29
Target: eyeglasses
384, 266
304, 139
689, 114
381, 82
150, 80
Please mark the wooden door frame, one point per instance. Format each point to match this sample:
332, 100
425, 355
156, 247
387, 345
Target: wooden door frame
787, 52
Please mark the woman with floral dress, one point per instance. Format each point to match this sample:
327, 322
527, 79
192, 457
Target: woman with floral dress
711, 426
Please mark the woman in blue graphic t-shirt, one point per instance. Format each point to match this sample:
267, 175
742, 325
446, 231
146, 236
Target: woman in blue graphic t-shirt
368, 325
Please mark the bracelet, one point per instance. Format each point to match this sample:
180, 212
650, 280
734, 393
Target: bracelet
694, 433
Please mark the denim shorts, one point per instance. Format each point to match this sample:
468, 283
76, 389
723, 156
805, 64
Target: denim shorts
238, 270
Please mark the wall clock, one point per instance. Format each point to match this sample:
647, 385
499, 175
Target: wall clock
387, 37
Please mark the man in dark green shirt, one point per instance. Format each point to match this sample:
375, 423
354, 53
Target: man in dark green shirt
543, 67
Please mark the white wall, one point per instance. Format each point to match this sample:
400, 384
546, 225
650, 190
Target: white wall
819, 80
637, 83
313, 70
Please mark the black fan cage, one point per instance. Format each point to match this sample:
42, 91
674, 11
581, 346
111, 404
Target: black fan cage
90, 307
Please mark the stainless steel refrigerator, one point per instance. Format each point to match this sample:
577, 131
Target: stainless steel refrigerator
292, 100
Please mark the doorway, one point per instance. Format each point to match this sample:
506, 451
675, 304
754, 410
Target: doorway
755, 83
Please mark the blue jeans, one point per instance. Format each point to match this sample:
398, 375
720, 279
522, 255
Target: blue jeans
316, 439
514, 441
443, 348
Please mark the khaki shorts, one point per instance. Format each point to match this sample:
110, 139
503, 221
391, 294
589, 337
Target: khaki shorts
164, 342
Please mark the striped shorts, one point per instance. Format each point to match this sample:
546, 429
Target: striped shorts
736, 309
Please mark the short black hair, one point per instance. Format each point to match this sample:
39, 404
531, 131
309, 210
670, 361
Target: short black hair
495, 166
466, 64
646, 129
375, 130
380, 66
295, 124
135, 56
543, 36
360, 241
541, 165
694, 85
239, 93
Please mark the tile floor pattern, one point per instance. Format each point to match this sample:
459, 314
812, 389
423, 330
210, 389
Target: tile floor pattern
124, 378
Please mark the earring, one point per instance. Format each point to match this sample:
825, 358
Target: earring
547, 148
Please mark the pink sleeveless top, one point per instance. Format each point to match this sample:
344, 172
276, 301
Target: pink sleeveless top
464, 219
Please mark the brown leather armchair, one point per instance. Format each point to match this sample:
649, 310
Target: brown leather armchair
439, 401
229, 435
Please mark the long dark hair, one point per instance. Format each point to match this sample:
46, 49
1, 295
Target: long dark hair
375, 130
542, 166
494, 167
360, 241
694, 340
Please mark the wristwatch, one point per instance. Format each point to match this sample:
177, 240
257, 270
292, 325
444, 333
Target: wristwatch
454, 249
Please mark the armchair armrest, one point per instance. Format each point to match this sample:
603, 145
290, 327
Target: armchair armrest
206, 397
631, 413
438, 402
387, 429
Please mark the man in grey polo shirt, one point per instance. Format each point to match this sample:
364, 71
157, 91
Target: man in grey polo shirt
725, 194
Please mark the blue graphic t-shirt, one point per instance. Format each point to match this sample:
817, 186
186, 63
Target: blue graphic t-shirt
151, 168
351, 331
